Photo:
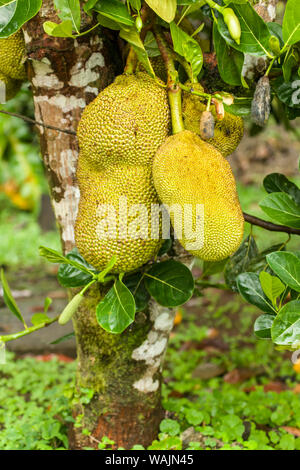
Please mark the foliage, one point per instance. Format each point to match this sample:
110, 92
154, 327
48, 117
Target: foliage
224, 415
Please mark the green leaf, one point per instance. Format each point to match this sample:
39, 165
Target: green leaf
262, 326
239, 261
136, 4
288, 92
286, 327
187, 47
287, 266
47, 304
115, 10
9, 300
59, 30
271, 285
170, 283
136, 285
117, 310
70, 276
39, 318
133, 38
108, 23
54, 256
213, 267
259, 263
291, 61
15, 13
255, 34
282, 208
165, 9
151, 45
170, 426
291, 22
276, 182
230, 61
69, 10
249, 287
240, 107
63, 338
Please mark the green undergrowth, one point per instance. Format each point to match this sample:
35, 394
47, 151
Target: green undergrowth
200, 414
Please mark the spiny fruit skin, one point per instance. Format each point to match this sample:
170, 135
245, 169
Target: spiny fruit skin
12, 50
96, 188
187, 170
126, 123
119, 133
11, 86
227, 133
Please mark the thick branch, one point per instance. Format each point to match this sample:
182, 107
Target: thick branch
269, 226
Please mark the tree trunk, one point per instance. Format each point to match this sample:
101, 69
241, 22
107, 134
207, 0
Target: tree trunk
123, 372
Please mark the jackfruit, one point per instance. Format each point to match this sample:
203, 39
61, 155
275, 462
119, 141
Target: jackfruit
227, 133
119, 133
126, 123
12, 51
101, 227
189, 171
8, 87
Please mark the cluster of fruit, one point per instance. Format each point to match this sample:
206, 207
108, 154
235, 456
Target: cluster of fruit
128, 156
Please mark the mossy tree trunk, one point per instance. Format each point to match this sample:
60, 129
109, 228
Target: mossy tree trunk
122, 371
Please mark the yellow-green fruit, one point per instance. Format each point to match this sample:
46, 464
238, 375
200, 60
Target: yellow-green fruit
126, 123
187, 170
227, 134
102, 230
8, 87
12, 51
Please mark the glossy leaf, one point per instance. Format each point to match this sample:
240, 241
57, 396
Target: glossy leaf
288, 92
133, 38
136, 285
262, 326
69, 10
14, 14
271, 285
170, 283
259, 263
255, 34
286, 327
77, 261
187, 47
291, 22
108, 23
239, 261
287, 266
9, 300
113, 9
276, 182
59, 30
39, 318
282, 208
117, 310
63, 338
230, 61
165, 9
249, 287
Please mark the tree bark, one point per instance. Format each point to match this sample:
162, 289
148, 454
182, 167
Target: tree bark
123, 372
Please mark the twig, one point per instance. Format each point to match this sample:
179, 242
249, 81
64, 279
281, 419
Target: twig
269, 226
32, 121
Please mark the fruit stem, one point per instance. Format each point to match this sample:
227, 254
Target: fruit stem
174, 90
131, 62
